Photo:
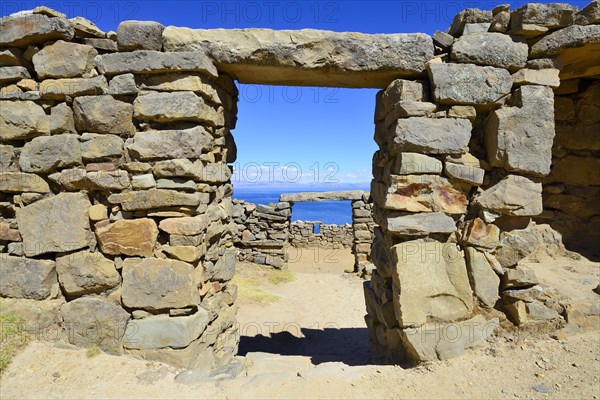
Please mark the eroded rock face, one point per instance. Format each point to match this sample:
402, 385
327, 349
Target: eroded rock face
494, 49
26, 278
22, 120
64, 60
300, 57
25, 30
135, 237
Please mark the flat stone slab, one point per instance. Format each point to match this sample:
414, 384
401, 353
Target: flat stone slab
323, 196
307, 57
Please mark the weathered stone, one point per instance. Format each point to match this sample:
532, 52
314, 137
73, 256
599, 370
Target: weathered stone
500, 22
419, 224
80, 179
479, 234
11, 57
61, 119
431, 342
64, 60
153, 284
94, 322
519, 243
442, 39
186, 226
519, 278
415, 163
574, 170
469, 84
22, 120
135, 237
26, 278
188, 254
469, 174
509, 132
122, 85
84, 273
8, 234
434, 282
216, 173
147, 61
468, 16
484, 281
48, 12
495, 49
513, 195
13, 74
25, 30
528, 295
39, 317
163, 331
177, 106
18, 182
137, 167
430, 136
48, 153
96, 147
467, 112
589, 15
103, 114
56, 224
534, 18
545, 77
156, 145
300, 57
157, 198
60, 89
179, 167
98, 212
225, 266
84, 28
401, 90
105, 45
145, 181
139, 35
28, 85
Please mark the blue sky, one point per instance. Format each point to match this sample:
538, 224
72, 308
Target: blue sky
305, 135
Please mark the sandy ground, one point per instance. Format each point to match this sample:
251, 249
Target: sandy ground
312, 343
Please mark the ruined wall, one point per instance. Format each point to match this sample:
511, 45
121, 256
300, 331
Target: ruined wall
458, 177
115, 196
363, 228
302, 234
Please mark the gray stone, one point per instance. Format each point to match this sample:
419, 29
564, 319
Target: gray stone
163, 331
415, 163
571, 37
80, 179
18, 182
26, 30
103, 114
147, 61
96, 147
139, 35
431, 136
300, 57
56, 224
420, 224
48, 153
94, 322
322, 196
519, 278
153, 284
22, 120
465, 173
61, 119
157, 198
469, 84
13, 74
484, 281
85, 273
534, 19
500, 22
26, 278
443, 39
60, 89
121, 85
179, 167
177, 106
64, 60
84, 28
545, 77
514, 195
145, 181
225, 266
434, 282
495, 49
156, 145
589, 15
468, 16
519, 243
105, 45
520, 138
471, 29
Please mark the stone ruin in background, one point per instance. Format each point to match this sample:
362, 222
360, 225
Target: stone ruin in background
117, 224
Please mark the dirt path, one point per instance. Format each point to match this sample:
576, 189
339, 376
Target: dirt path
319, 340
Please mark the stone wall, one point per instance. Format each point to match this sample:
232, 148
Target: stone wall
302, 234
363, 228
115, 196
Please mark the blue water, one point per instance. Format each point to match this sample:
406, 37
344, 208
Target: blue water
329, 212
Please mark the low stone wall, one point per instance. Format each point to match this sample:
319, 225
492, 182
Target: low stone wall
262, 232
329, 236
363, 228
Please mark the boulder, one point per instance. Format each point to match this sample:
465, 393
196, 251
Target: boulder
47, 153
26, 278
64, 60
61, 119
84, 28
22, 120
479, 234
135, 237
84, 272
300, 57
514, 195
157, 198
430, 136
60, 89
484, 280
13, 74
139, 35
33, 29
179, 167
433, 281
487, 48
589, 15
519, 243
153, 284
95, 147
98, 212
56, 224
468, 16
534, 19
148, 61
94, 322
19, 182
167, 144
122, 85
185, 226
104, 45
400, 90
419, 224
103, 114
163, 331
469, 84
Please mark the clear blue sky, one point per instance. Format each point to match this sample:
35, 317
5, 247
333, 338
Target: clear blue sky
308, 129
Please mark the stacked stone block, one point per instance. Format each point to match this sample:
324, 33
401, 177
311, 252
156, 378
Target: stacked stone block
363, 228
262, 232
330, 236
115, 194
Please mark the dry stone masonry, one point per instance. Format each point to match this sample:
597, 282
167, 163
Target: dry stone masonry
316, 233
117, 227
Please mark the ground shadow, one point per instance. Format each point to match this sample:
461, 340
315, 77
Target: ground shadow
347, 345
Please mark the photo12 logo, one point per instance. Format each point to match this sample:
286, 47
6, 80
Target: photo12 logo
254, 12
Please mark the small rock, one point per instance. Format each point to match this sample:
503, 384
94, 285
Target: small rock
542, 388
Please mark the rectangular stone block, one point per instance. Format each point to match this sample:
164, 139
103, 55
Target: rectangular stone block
26, 278
430, 136
170, 144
